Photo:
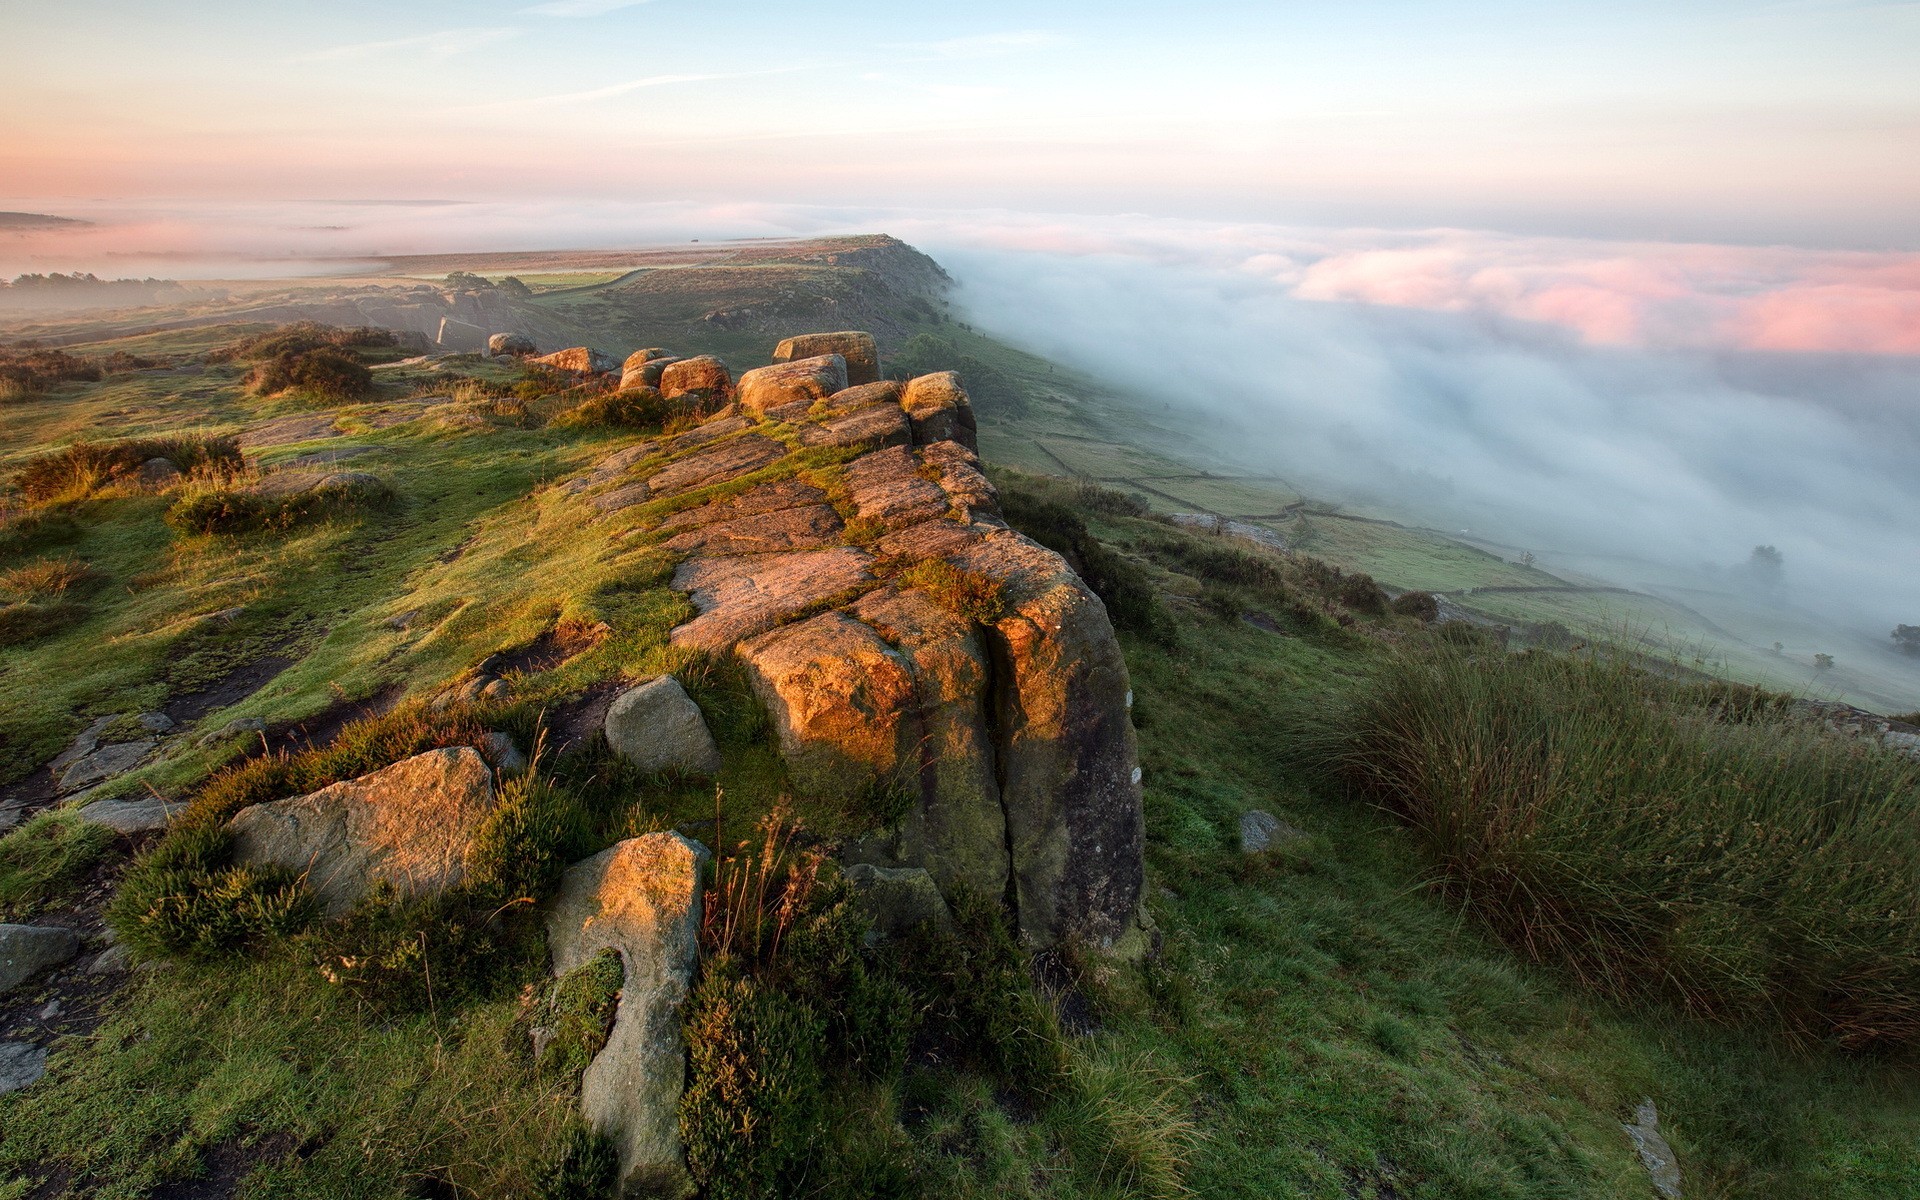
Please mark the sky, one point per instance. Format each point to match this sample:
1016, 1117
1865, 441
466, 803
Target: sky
1726, 121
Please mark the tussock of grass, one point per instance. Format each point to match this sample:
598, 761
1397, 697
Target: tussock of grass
231, 508
968, 595
1657, 844
46, 579
77, 471
43, 862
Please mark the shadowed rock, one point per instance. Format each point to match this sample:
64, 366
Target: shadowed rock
806, 379
895, 899
940, 411
21, 1065
640, 898
132, 816
411, 825
105, 763
510, 343
857, 349
27, 950
657, 727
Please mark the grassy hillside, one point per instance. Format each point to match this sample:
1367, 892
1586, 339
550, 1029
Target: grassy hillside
1336, 1016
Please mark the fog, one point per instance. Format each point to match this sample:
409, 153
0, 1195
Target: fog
1519, 431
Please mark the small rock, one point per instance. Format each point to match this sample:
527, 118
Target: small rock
1263, 831
410, 825
156, 722
109, 961
657, 727
50, 1010
26, 950
509, 343
498, 691
402, 620
896, 899
158, 473
85, 743
1655, 1154
21, 1065
227, 616
581, 360
105, 763
640, 897
504, 755
644, 368
132, 816
238, 727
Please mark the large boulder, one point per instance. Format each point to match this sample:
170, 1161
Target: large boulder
861, 355
656, 726
581, 360
704, 377
643, 368
642, 899
510, 343
805, 380
27, 950
940, 411
895, 899
840, 698
411, 825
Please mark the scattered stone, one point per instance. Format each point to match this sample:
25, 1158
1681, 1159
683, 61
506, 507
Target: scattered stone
26, 950
238, 727
704, 377
51, 1009
896, 899
499, 691
21, 1065
112, 960
940, 411
227, 616
640, 897
156, 722
1261, 831
808, 379
581, 360
857, 349
83, 744
158, 474
1655, 1154
501, 344
657, 727
504, 755
403, 620
105, 763
410, 825
132, 816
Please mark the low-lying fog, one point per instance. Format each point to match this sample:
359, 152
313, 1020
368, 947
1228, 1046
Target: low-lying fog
1638, 409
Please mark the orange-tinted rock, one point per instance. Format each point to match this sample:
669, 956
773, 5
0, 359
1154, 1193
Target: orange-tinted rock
887, 486
763, 533
705, 377
727, 460
841, 700
741, 596
581, 360
767, 498
643, 368
940, 411
857, 349
868, 425
808, 379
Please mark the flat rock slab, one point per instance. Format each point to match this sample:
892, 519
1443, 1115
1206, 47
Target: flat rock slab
132, 816
766, 533
21, 1065
657, 727
621, 498
329, 456
741, 596
288, 431
880, 424
27, 950
105, 763
887, 486
767, 498
728, 460
411, 825
641, 898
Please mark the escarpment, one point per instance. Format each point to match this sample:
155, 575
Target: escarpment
842, 542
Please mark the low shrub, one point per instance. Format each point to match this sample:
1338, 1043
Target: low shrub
46, 579
584, 1166
1358, 593
23, 530
1750, 864
28, 372
634, 408
79, 470
1421, 606
30, 620
1124, 589
301, 337
46, 860
229, 510
326, 374
577, 1014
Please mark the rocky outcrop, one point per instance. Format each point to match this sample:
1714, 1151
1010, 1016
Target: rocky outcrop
643, 368
656, 726
641, 898
411, 826
803, 380
1001, 724
581, 360
510, 343
27, 950
857, 349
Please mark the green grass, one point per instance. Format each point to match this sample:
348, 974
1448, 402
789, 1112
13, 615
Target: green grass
46, 860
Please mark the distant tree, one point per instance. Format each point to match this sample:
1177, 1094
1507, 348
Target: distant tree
1526, 558
1767, 565
1779, 647
467, 281
513, 286
1823, 662
1906, 638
